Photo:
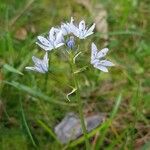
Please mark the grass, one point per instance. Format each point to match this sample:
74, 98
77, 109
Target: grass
30, 125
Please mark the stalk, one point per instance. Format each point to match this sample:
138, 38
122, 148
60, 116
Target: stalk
45, 82
80, 105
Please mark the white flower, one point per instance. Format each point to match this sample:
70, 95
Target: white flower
65, 27
96, 58
55, 39
40, 65
81, 31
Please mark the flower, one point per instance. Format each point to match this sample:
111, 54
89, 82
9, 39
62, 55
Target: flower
65, 27
81, 31
96, 58
55, 39
40, 65
70, 42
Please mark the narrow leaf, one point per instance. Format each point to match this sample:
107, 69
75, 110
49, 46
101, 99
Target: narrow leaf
37, 93
73, 90
26, 127
48, 129
12, 69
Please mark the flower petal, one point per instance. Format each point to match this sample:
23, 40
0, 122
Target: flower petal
65, 29
58, 45
59, 38
106, 63
52, 34
36, 60
45, 60
102, 53
43, 41
46, 48
102, 68
93, 51
40, 69
86, 35
30, 68
82, 25
74, 30
90, 30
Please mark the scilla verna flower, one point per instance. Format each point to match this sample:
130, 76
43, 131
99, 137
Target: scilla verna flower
55, 39
70, 42
96, 58
40, 65
65, 27
81, 31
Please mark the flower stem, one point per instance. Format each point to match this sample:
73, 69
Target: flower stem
45, 82
80, 106
80, 109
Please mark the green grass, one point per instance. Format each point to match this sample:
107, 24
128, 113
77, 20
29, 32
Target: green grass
30, 124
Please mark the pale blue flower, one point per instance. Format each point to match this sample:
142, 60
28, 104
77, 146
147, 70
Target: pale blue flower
97, 58
65, 28
70, 42
54, 40
40, 65
81, 31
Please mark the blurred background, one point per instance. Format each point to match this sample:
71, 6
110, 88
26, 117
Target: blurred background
121, 25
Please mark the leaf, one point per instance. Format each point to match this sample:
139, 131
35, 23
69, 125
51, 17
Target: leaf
74, 58
67, 96
44, 126
102, 127
109, 122
146, 146
37, 93
26, 126
12, 69
81, 70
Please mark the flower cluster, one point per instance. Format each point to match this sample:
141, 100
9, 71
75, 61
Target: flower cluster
56, 39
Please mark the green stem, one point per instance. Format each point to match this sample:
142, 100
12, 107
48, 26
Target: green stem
80, 109
80, 105
45, 82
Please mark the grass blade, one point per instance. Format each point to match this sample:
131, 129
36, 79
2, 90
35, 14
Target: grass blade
108, 123
26, 126
102, 127
37, 93
44, 126
12, 69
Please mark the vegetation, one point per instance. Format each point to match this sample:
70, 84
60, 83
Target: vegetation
29, 112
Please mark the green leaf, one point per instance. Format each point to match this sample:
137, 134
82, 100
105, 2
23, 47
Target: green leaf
109, 122
104, 127
11, 69
37, 93
146, 146
26, 126
48, 129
